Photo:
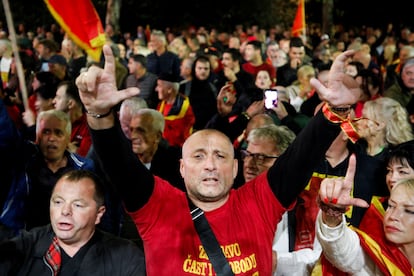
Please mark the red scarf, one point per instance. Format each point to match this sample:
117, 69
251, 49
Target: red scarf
52, 256
387, 256
346, 123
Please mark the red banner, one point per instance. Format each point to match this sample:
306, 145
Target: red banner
299, 26
81, 22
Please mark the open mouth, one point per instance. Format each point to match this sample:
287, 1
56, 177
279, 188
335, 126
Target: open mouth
63, 226
212, 180
52, 147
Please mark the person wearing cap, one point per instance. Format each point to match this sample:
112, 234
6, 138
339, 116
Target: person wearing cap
58, 66
140, 77
45, 49
177, 111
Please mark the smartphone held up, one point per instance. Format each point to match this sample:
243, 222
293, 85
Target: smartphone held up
270, 98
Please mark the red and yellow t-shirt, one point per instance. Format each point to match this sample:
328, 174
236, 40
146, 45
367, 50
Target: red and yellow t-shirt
246, 239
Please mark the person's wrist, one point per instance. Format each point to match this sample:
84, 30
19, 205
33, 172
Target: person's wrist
331, 214
331, 221
342, 111
246, 115
344, 119
99, 115
100, 120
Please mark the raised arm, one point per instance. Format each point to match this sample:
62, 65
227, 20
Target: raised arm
339, 243
335, 196
99, 94
292, 171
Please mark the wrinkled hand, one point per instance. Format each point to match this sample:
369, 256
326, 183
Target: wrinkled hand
97, 87
337, 191
342, 89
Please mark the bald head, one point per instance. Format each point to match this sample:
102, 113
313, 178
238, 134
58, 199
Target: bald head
200, 137
208, 168
259, 120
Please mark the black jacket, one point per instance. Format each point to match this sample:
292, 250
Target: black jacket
104, 254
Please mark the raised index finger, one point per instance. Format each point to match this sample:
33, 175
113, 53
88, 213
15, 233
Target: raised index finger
109, 67
350, 172
348, 182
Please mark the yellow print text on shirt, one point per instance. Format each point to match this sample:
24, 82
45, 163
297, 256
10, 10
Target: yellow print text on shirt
239, 266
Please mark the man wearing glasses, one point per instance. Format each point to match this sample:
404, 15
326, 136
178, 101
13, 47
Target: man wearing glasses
264, 146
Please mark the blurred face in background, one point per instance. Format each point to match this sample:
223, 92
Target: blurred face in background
202, 70
396, 170
52, 138
263, 80
407, 76
143, 137
42, 104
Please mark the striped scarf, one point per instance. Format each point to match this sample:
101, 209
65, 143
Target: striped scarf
53, 257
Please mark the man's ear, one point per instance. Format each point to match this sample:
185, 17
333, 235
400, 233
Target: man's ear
101, 212
235, 168
159, 136
411, 117
182, 170
71, 104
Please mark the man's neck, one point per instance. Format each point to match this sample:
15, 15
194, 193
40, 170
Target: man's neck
75, 114
336, 156
72, 249
209, 205
257, 62
160, 51
55, 165
147, 157
140, 73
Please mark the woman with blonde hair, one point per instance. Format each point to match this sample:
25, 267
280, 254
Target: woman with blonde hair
301, 89
384, 124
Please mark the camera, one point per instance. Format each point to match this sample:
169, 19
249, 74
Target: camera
270, 98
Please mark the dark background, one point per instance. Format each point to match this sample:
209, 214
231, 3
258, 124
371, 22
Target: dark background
225, 14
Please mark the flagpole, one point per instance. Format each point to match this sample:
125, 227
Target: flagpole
19, 67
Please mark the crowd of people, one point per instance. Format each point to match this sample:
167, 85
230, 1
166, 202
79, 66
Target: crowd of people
105, 161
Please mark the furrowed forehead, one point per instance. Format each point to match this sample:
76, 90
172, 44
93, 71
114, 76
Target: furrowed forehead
207, 138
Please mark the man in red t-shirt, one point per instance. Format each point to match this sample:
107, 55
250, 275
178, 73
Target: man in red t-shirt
254, 60
243, 220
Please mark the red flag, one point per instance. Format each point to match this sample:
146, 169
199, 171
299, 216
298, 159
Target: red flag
81, 22
299, 26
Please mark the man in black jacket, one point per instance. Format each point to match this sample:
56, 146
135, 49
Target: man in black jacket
71, 244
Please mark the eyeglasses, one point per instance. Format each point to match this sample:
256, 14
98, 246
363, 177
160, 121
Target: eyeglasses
258, 158
369, 120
